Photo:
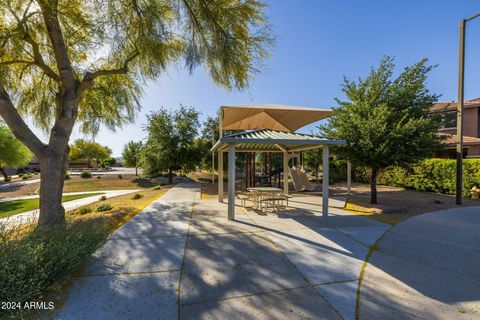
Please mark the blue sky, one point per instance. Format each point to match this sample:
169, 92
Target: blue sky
319, 42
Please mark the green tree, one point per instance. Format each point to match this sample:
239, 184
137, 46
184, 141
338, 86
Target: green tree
109, 162
386, 122
12, 151
209, 136
63, 62
313, 159
131, 154
89, 151
171, 143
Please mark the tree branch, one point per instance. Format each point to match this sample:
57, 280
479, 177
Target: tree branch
37, 56
50, 16
89, 77
19, 128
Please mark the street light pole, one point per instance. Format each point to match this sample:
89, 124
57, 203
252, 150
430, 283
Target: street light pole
460, 105
461, 82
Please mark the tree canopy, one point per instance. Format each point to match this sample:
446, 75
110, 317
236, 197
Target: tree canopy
131, 154
386, 121
171, 141
13, 152
64, 62
88, 151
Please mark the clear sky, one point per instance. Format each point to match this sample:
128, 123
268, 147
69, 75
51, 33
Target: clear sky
319, 42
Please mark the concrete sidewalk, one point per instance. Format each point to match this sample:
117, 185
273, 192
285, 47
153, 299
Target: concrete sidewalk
135, 275
182, 259
427, 267
292, 265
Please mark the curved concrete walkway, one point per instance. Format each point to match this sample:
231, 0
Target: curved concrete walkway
32, 216
427, 267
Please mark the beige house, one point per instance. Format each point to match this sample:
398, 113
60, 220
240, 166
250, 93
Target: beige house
471, 127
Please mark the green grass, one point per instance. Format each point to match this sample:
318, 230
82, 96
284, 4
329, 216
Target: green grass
10, 208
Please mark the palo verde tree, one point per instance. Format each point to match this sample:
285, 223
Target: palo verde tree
386, 121
63, 62
131, 154
89, 151
12, 151
171, 143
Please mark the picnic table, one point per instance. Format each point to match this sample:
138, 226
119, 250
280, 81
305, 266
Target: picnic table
265, 194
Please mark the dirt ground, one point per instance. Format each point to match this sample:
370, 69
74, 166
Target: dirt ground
396, 204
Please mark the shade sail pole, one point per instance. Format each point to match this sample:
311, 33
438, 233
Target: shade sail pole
285, 172
220, 176
349, 178
325, 181
231, 182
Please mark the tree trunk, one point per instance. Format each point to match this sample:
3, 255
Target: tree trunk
170, 176
136, 171
373, 186
316, 174
53, 167
5, 175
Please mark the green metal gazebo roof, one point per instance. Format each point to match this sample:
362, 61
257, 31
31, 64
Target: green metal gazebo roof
267, 140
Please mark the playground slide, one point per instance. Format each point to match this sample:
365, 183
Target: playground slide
300, 180
307, 185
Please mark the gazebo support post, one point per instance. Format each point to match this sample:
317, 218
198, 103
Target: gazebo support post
285, 173
349, 178
231, 182
325, 181
220, 176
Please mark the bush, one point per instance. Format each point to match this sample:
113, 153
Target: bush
21, 174
7, 179
137, 196
85, 210
67, 176
120, 176
103, 198
157, 187
104, 207
85, 174
437, 175
99, 177
30, 262
26, 177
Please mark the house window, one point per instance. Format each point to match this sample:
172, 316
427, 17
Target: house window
449, 119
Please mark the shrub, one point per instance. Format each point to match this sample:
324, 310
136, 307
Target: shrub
85, 174
67, 176
120, 176
103, 198
437, 175
26, 177
157, 187
21, 174
104, 207
20, 171
137, 196
99, 177
30, 262
85, 210
7, 179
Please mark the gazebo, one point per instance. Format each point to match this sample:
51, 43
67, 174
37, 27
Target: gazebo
270, 129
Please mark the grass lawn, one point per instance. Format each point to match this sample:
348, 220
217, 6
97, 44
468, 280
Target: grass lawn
396, 204
37, 264
10, 208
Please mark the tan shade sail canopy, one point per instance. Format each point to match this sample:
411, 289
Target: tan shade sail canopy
270, 116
